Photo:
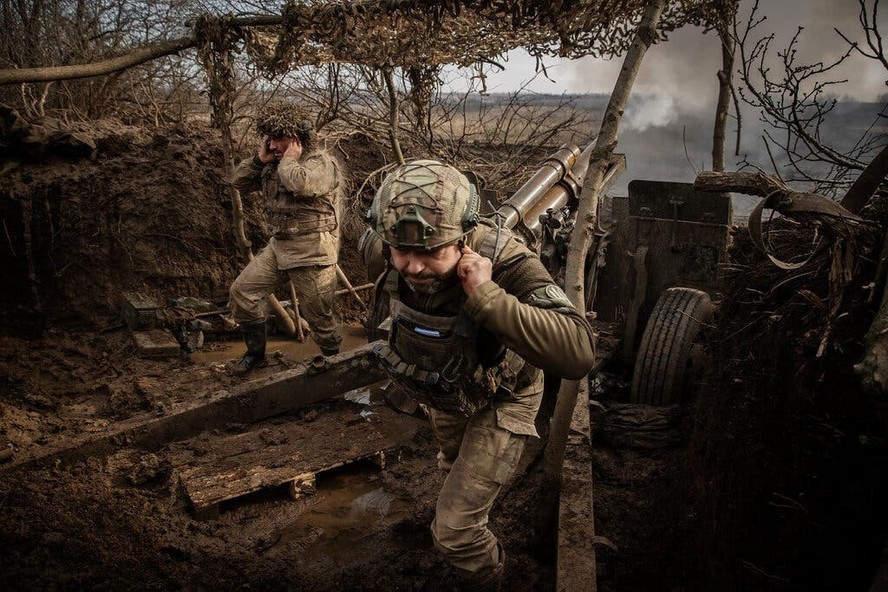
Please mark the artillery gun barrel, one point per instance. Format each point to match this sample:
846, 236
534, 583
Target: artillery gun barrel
558, 195
559, 179
515, 208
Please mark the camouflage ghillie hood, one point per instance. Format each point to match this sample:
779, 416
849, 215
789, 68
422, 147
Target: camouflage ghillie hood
424, 204
285, 121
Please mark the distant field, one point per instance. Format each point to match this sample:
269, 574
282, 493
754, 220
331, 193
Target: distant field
662, 140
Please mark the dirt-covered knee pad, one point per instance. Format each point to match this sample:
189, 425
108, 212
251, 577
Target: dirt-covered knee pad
246, 295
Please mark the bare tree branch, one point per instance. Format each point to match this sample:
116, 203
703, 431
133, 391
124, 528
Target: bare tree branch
108, 66
725, 90
796, 100
586, 222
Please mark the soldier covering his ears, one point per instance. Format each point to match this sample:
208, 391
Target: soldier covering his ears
475, 319
301, 186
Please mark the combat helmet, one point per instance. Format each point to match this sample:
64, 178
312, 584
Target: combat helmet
424, 204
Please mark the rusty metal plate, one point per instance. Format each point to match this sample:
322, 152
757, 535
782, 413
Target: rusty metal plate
668, 200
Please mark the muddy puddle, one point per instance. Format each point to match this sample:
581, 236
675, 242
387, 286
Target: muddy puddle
221, 351
350, 505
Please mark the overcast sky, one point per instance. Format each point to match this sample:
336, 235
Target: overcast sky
685, 66
666, 131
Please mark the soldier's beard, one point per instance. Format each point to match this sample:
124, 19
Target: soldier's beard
429, 282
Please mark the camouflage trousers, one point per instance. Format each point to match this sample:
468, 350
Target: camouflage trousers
480, 456
315, 287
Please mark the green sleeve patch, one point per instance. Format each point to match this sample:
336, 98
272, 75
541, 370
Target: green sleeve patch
550, 296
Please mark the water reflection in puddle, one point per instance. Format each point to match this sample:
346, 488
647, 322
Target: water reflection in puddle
349, 506
353, 336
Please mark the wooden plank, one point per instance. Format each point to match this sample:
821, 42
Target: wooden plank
576, 564
248, 402
292, 452
576, 567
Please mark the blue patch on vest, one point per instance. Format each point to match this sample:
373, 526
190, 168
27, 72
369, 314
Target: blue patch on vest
426, 331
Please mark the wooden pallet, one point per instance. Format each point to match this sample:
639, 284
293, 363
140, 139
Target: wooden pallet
215, 469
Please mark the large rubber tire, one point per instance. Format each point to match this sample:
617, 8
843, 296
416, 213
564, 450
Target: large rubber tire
662, 365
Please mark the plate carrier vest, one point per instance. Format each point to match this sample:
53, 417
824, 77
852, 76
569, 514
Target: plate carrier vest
435, 359
290, 216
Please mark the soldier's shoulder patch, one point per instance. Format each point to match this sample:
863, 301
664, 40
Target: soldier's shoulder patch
550, 296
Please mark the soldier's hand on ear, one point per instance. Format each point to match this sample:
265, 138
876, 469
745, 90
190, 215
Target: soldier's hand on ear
265, 154
294, 149
473, 270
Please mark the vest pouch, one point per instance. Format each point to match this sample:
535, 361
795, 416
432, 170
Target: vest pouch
434, 359
427, 347
293, 216
427, 388
504, 376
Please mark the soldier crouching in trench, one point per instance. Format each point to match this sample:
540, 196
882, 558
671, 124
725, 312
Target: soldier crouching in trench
301, 186
475, 319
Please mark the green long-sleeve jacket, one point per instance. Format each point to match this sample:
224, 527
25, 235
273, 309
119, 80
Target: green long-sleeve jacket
523, 309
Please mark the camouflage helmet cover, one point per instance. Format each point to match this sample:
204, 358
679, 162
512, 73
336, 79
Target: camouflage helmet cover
284, 120
424, 204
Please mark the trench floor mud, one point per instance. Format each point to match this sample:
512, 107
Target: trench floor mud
124, 520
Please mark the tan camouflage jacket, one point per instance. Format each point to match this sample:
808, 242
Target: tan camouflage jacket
524, 310
302, 198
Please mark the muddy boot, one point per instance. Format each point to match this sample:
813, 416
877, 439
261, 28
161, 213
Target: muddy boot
329, 351
254, 357
491, 582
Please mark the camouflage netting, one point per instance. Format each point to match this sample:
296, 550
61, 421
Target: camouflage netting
414, 33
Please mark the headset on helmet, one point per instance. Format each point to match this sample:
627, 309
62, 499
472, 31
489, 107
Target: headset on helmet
424, 204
